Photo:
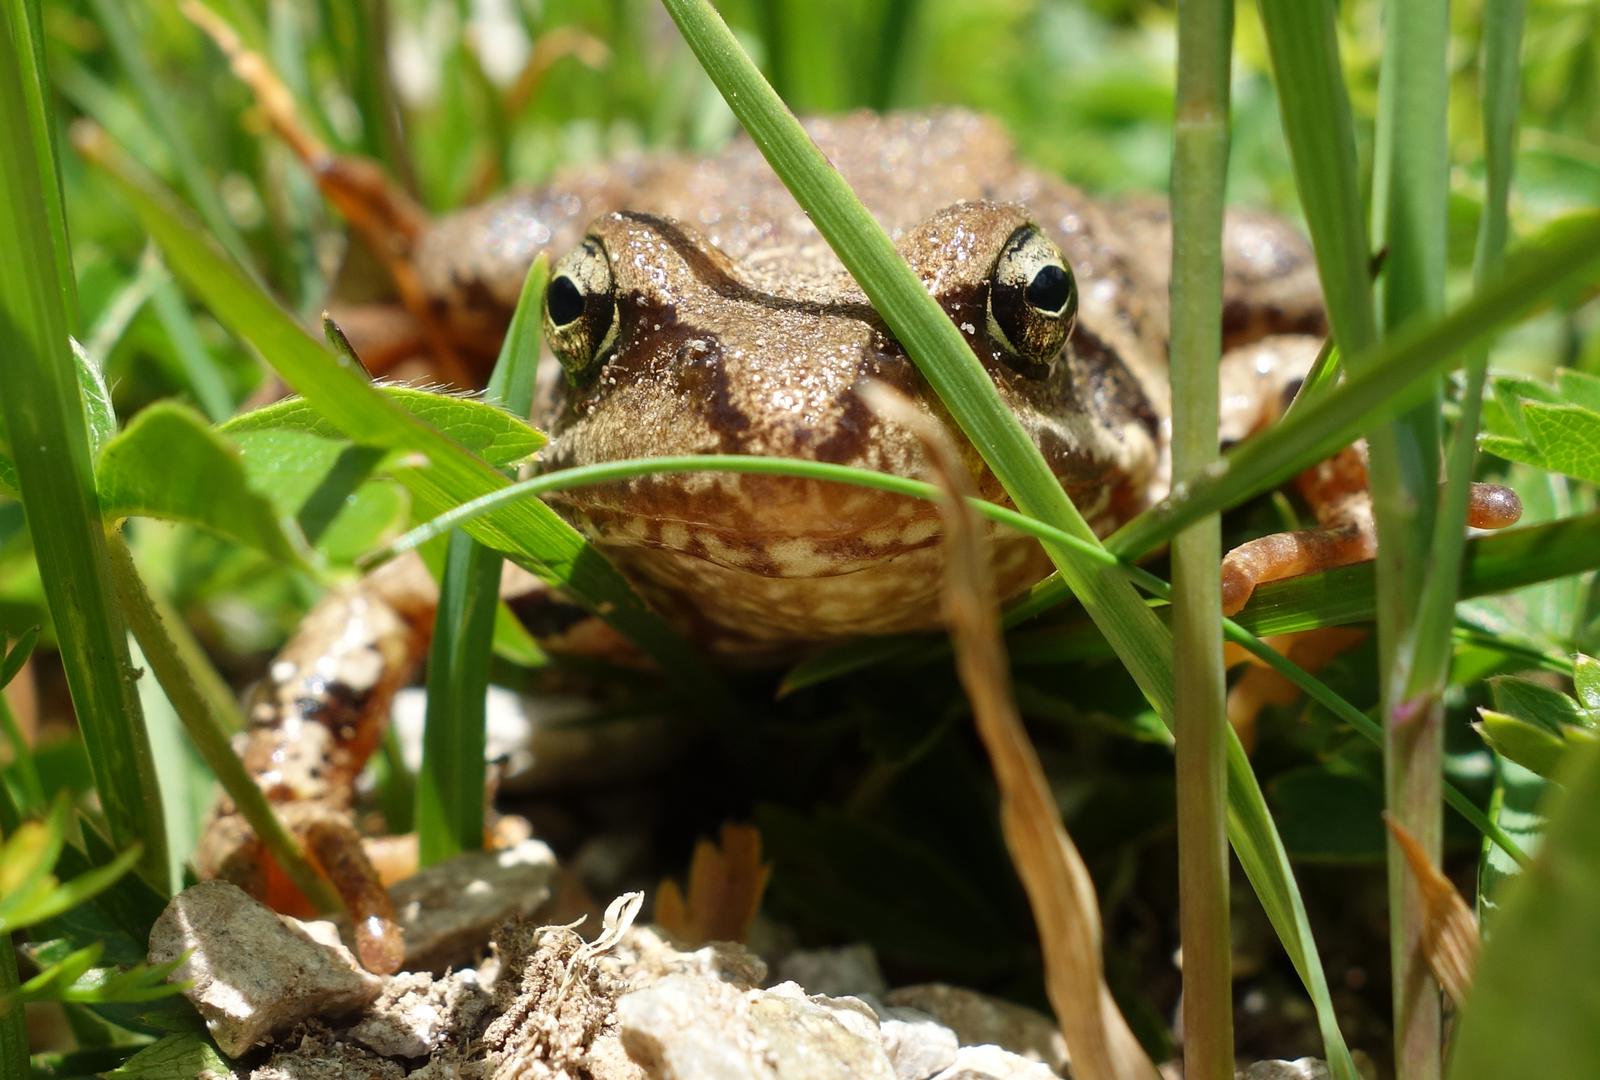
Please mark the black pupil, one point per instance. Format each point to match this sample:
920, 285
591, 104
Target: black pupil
563, 301
1049, 289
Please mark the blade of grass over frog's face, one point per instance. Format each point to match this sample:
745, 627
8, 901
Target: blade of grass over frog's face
530, 532
1567, 542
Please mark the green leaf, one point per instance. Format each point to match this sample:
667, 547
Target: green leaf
323, 485
1586, 678
1534, 1007
1579, 388
186, 1056
1516, 807
1528, 743
487, 430
1537, 704
97, 410
1567, 436
170, 464
1556, 429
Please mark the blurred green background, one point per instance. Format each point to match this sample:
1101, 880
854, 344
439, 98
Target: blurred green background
460, 98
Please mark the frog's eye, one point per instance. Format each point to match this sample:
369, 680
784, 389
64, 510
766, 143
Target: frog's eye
1033, 300
580, 311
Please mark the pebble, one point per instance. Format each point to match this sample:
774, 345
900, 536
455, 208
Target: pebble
255, 973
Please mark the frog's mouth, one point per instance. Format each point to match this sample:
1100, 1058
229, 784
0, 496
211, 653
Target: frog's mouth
764, 526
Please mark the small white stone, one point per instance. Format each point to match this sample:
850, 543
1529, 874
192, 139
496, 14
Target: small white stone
256, 974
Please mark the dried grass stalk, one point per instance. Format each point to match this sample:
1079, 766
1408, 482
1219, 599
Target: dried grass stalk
1052, 872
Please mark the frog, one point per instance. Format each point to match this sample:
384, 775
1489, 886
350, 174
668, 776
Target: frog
695, 308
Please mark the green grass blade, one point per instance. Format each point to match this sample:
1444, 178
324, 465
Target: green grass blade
1502, 73
1200, 723
1501, 92
450, 785
27, 56
49, 438
200, 372
1411, 193
1322, 150
529, 532
1561, 258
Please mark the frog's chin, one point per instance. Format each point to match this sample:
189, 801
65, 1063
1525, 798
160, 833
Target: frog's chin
774, 605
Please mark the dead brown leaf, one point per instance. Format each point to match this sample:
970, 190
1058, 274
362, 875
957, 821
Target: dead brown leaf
1450, 932
1052, 872
726, 883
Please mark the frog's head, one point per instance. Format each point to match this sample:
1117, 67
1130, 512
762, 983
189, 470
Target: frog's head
669, 347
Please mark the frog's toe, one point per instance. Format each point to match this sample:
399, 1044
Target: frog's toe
1493, 506
1290, 554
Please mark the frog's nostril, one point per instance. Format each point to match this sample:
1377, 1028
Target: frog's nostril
563, 301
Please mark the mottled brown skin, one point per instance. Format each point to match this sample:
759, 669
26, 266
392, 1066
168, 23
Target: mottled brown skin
740, 332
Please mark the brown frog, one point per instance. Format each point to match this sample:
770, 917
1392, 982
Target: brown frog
695, 309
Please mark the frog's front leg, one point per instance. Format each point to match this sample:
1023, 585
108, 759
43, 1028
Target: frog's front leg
1258, 382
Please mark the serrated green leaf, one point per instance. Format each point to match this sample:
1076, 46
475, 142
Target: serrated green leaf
1536, 704
176, 1057
170, 464
1585, 677
1528, 743
1568, 436
1512, 449
487, 430
1579, 388
319, 483
1510, 391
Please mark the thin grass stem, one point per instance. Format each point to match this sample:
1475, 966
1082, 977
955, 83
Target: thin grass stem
1200, 724
1411, 191
450, 785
